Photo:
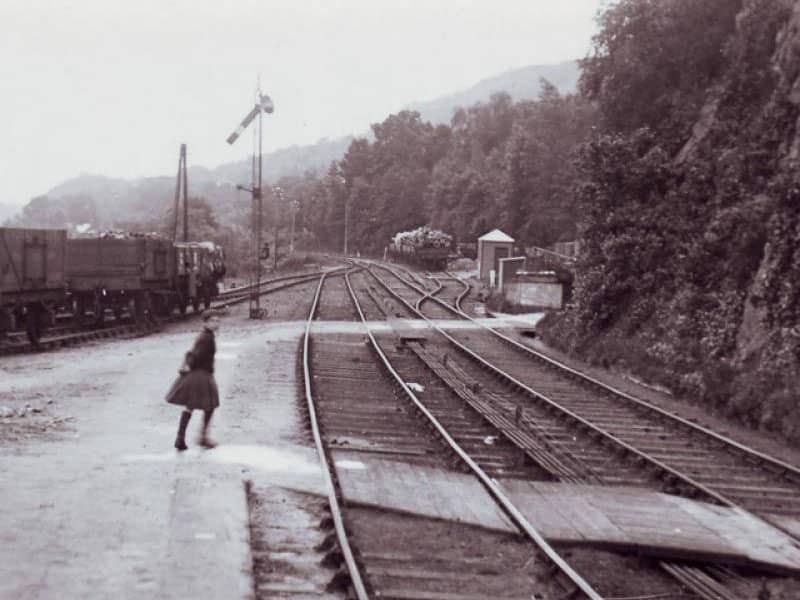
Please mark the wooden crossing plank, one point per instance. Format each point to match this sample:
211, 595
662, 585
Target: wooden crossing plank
425, 491
624, 518
789, 524
401, 594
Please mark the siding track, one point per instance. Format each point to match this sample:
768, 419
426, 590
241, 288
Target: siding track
359, 404
669, 448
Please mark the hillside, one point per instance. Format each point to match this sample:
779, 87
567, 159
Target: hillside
520, 84
690, 273
103, 201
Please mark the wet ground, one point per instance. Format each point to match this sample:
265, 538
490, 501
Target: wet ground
96, 503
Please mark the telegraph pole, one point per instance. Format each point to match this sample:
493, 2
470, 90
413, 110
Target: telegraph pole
294, 206
278, 201
346, 211
181, 183
185, 195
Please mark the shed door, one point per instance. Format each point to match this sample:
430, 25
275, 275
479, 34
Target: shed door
498, 254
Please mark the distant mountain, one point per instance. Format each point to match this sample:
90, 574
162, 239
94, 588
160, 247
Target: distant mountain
103, 201
520, 84
286, 162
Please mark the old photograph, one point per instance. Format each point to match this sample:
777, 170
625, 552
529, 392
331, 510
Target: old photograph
401, 300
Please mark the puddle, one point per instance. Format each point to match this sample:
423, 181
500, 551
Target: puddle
261, 458
228, 344
265, 458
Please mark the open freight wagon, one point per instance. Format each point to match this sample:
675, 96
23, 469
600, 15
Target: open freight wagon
32, 278
140, 275
134, 274
426, 247
43, 273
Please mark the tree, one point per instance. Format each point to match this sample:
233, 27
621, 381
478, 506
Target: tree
652, 61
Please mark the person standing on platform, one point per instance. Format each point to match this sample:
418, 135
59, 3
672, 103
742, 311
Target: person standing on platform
195, 388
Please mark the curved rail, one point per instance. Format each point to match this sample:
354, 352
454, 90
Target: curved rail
775, 462
668, 471
487, 481
693, 578
575, 417
341, 534
463, 294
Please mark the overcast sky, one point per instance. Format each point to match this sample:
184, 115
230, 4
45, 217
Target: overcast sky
113, 87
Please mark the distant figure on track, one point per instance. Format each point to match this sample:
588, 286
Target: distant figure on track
195, 387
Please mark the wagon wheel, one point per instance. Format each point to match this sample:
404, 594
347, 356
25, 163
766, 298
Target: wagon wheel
33, 324
141, 306
6, 322
79, 311
164, 305
99, 311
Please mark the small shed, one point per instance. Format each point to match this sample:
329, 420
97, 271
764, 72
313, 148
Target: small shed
492, 247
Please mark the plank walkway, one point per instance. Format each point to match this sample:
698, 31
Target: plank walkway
626, 519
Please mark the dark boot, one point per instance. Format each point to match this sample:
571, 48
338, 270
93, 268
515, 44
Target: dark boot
204, 441
180, 441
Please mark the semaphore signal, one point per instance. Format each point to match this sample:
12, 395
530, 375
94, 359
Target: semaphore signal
263, 105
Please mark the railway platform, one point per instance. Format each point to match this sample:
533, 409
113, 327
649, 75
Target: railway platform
97, 503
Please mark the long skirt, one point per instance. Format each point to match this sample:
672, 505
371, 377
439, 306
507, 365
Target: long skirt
197, 389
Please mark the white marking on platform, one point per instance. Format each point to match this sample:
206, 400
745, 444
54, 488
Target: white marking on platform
263, 458
351, 464
418, 324
205, 536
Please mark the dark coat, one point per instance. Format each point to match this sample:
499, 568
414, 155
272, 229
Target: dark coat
201, 356
197, 389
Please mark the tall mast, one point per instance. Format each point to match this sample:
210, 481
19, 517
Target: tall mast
263, 104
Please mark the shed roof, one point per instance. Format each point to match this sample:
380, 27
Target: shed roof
495, 236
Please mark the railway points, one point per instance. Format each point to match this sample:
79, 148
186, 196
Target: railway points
435, 466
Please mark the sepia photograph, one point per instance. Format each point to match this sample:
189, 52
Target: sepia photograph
401, 300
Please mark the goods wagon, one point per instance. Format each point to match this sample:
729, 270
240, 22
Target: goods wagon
426, 247
115, 272
42, 272
141, 274
32, 277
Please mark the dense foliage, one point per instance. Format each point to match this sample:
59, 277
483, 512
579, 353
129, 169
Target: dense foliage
498, 164
691, 240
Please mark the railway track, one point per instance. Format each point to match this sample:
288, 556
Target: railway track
689, 458
68, 335
383, 416
548, 438
449, 290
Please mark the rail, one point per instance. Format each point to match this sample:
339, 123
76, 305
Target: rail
341, 534
619, 393
518, 518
